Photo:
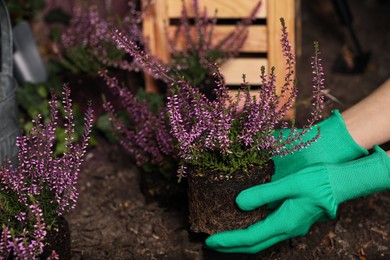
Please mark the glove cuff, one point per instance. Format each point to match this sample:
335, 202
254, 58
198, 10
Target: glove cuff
336, 130
361, 177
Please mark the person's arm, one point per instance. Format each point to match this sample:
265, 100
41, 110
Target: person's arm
368, 122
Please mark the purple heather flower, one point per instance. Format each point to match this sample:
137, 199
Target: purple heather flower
91, 31
5, 246
147, 136
41, 178
222, 128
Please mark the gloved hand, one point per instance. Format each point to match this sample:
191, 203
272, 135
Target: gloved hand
307, 195
335, 145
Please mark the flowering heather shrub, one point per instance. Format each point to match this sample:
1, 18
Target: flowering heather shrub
223, 136
87, 41
42, 186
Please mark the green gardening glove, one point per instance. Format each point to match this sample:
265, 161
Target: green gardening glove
335, 145
307, 195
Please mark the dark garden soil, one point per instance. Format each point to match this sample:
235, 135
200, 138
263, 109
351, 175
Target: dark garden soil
114, 219
59, 240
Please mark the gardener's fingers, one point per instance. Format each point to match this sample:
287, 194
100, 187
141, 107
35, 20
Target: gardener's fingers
305, 183
290, 220
260, 195
255, 248
241, 238
274, 225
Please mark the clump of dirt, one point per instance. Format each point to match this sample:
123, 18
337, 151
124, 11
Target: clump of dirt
58, 240
211, 199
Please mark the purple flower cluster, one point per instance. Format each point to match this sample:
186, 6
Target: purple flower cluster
92, 32
28, 244
148, 62
212, 134
147, 135
44, 185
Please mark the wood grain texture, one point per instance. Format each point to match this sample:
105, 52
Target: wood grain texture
233, 70
226, 8
153, 28
276, 10
256, 42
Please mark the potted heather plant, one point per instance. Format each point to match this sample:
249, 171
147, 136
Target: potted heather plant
222, 142
226, 145
35, 194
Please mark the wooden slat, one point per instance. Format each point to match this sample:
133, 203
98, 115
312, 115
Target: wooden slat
275, 55
233, 95
226, 8
256, 41
153, 28
233, 70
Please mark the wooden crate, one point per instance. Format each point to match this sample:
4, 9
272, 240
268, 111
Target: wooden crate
261, 48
